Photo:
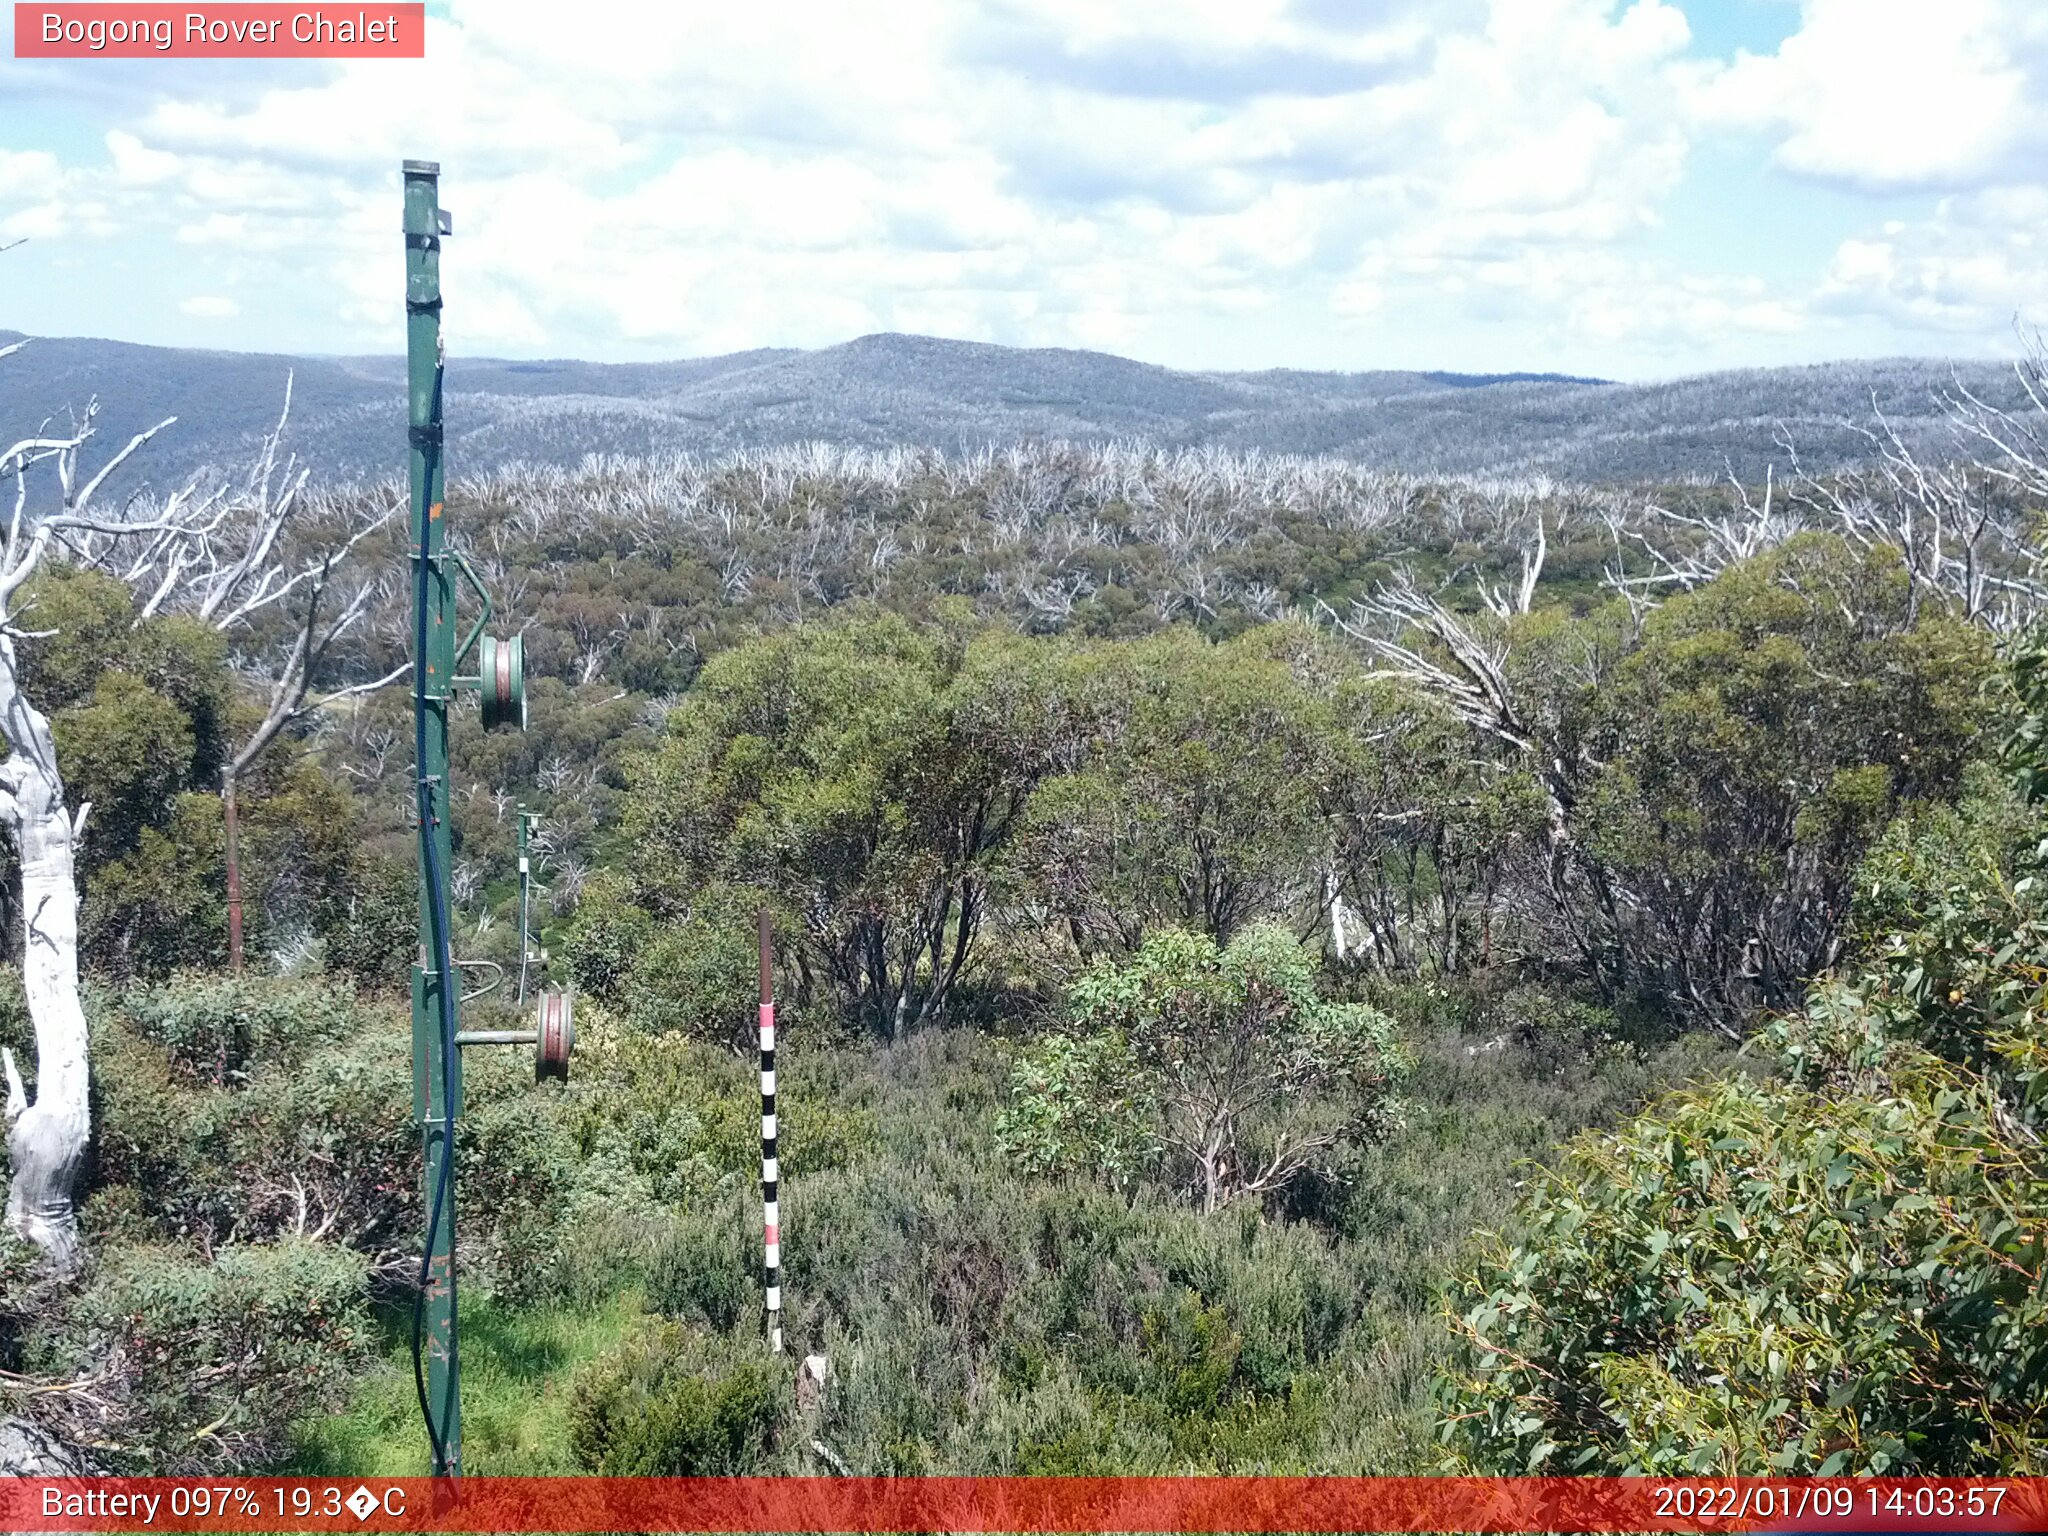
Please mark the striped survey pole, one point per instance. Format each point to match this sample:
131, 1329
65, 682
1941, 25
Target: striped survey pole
771, 1219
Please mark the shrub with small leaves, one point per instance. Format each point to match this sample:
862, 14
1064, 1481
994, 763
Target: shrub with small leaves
212, 1363
1229, 1062
666, 1404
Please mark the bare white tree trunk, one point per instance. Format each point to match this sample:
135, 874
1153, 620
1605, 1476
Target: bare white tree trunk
46, 1140
1333, 893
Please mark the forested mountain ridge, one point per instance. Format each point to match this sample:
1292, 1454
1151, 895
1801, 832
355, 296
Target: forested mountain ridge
891, 390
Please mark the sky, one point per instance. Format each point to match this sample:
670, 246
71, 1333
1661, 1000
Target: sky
1627, 188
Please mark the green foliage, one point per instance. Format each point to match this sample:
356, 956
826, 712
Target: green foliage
1228, 1060
710, 1270
698, 978
17, 1030
127, 749
1079, 1104
232, 1109
142, 713
306, 870
162, 906
981, 1324
978, 1322
1835, 1270
137, 711
687, 1116
607, 938
212, 1028
1951, 917
949, 820
373, 932
1193, 799
1751, 745
861, 774
243, 1109
1427, 830
221, 1356
1755, 1278
655, 1407
519, 1363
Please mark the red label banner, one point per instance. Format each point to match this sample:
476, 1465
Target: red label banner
220, 31
1136, 1504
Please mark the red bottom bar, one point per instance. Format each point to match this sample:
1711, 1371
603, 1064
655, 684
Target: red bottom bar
1137, 1504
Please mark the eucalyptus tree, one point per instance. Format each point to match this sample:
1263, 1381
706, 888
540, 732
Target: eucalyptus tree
1196, 800
1429, 832
862, 776
212, 550
1711, 768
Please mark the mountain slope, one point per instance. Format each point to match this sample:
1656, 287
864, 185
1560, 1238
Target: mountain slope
889, 389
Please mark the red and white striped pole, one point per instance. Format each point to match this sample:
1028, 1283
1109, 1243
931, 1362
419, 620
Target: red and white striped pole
771, 1219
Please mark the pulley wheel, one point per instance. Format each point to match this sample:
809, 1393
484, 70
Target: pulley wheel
555, 1036
501, 676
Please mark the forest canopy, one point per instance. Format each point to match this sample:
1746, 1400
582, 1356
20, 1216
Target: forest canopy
1200, 883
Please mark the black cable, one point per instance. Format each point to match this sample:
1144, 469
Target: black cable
437, 925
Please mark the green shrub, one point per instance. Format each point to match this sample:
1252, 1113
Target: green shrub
660, 1405
606, 938
370, 936
701, 977
308, 1135
1836, 1270
234, 1109
710, 1270
215, 1360
1078, 1106
215, 1028
1951, 917
161, 906
1756, 1279
1228, 1062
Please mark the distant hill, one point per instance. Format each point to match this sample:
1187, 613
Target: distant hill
890, 389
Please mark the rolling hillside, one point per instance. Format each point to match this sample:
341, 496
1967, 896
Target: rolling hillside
891, 389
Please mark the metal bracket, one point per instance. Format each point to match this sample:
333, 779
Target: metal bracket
476, 585
496, 981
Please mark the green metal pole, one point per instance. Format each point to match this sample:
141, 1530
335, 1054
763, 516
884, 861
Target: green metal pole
436, 1065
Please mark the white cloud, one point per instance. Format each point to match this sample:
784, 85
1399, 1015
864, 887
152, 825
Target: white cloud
702, 177
27, 174
136, 164
1965, 272
38, 198
1894, 93
208, 306
713, 176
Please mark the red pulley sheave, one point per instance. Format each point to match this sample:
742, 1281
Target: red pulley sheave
501, 680
555, 1036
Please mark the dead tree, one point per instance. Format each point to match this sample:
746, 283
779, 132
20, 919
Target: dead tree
1504, 604
46, 1139
1962, 526
257, 553
1419, 639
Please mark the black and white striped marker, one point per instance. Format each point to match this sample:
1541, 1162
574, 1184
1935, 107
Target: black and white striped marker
771, 1217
